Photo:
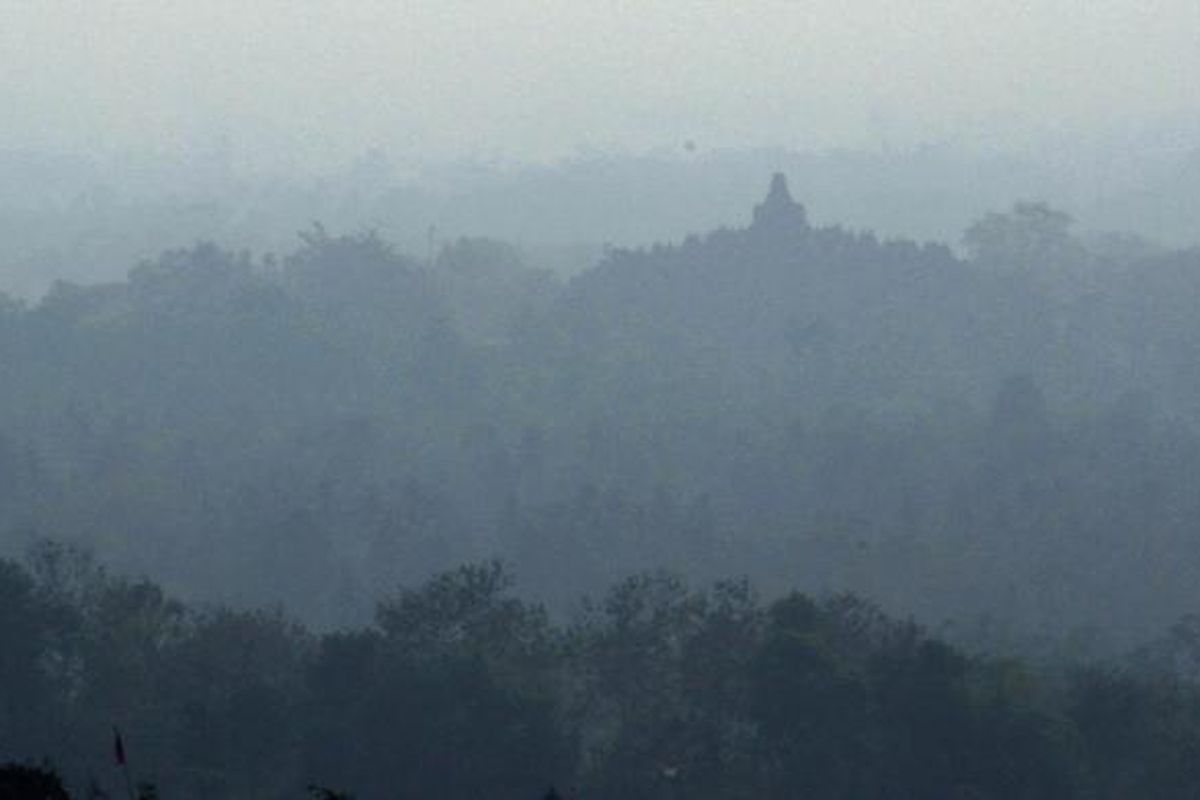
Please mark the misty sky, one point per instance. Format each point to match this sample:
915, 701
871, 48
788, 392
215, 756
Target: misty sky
319, 81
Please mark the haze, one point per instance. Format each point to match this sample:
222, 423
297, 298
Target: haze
288, 83
661, 400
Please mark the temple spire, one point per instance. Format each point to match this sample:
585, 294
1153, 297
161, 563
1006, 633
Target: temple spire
779, 211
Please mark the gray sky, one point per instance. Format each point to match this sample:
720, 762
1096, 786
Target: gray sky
321, 81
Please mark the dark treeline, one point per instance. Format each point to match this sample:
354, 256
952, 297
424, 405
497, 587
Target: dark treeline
86, 220
460, 689
1006, 442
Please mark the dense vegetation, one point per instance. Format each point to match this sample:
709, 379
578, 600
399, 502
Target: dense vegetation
1006, 442
1003, 446
86, 219
459, 689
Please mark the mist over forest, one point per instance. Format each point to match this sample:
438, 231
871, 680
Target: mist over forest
600, 401
89, 219
1005, 435
995, 438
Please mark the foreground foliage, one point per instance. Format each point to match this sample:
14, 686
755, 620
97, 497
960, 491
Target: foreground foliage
462, 690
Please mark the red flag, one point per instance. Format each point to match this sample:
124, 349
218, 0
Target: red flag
118, 748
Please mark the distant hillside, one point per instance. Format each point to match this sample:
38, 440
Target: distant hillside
1009, 436
67, 218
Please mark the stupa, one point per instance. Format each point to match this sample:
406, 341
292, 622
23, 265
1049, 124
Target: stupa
779, 212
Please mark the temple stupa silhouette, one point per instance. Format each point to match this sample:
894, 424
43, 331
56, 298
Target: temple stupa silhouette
778, 211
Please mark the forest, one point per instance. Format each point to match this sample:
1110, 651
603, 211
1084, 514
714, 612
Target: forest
779, 510
459, 688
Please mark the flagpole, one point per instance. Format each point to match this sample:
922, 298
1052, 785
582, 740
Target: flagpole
123, 762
